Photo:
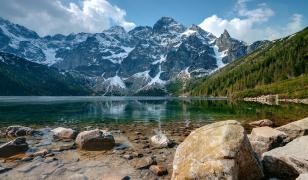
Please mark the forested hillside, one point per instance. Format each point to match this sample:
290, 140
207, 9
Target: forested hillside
285, 61
19, 77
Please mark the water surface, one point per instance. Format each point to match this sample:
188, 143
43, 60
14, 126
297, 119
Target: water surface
83, 111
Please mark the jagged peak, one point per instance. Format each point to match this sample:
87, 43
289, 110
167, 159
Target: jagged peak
140, 28
141, 31
165, 24
225, 34
196, 27
166, 20
115, 30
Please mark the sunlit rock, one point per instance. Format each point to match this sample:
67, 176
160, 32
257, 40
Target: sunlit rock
216, 151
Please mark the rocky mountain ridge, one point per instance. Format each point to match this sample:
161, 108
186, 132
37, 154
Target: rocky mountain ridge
117, 62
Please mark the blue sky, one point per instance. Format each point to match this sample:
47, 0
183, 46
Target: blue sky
248, 20
146, 12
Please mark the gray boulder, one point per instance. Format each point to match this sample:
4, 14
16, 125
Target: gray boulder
95, 140
16, 131
264, 139
216, 151
64, 133
160, 140
16, 146
302, 177
287, 162
295, 129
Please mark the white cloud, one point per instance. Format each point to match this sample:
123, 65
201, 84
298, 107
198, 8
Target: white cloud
295, 24
249, 25
52, 16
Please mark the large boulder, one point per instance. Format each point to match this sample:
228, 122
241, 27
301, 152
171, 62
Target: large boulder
302, 177
16, 146
289, 161
262, 123
264, 139
16, 131
64, 133
295, 129
95, 140
160, 141
217, 151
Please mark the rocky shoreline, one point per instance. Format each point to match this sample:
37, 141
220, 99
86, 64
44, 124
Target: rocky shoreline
274, 100
220, 150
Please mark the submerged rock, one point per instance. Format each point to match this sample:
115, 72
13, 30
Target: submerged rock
217, 151
143, 163
95, 140
159, 170
264, 139
160, 140
42, 153
289, 161
16, 146
262, 123
64, 133
295, 129
16, 131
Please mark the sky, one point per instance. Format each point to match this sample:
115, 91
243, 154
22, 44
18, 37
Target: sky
247, 20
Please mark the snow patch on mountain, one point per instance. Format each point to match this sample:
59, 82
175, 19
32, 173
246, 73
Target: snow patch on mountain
219, 56
156, 80
161, 60
2, 59
145, 75
117, 58
116, 81
50, 55
188, 32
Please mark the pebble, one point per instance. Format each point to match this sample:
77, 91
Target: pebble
127, 156
126, 178
50, 159
27, 159
136, 154
4, 169
41, 153
159, 170
143, 163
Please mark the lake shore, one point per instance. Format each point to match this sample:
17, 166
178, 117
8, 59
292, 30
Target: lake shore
132, 144
134, 156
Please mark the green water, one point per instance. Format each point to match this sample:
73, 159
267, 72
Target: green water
74, 111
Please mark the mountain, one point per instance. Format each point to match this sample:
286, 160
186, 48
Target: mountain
142, 61
279, 68
20, 77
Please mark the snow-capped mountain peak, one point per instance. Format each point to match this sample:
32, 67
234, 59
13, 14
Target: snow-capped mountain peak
131, 62
168, 25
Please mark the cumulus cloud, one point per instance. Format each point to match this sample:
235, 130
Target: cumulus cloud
249, 25
49, 17
295, 24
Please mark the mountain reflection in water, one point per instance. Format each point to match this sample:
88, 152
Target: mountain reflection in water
52, 111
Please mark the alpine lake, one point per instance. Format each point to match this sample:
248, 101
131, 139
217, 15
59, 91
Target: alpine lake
157, 112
